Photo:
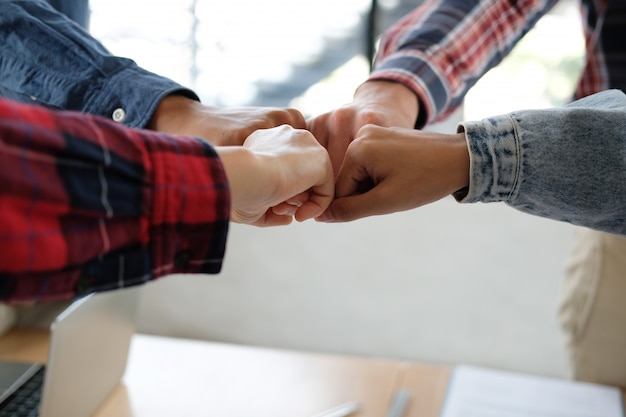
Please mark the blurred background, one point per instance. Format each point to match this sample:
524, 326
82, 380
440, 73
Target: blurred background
446, 283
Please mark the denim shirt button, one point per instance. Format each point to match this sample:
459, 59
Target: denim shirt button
119, 115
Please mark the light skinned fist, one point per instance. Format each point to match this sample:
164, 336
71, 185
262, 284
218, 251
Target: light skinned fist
382, 103
279, 174
220, 126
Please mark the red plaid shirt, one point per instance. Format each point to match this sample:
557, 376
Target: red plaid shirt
89, 205
443, 47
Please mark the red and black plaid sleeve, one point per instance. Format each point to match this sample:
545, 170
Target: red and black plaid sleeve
89, 205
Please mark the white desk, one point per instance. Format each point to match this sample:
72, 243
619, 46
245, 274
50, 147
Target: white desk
185, 378
178, 377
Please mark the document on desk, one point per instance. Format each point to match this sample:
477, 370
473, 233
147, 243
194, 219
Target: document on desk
481, 392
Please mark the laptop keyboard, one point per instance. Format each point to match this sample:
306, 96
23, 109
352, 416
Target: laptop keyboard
24, 402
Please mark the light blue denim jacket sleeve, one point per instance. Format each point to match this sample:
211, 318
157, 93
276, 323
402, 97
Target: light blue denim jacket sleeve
566, 164
46, 58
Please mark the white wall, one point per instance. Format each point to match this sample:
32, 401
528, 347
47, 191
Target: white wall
444, 283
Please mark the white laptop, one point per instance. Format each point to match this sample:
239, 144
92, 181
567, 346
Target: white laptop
89, 346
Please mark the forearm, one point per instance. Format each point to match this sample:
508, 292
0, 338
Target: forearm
45, 59
567, 164
88, 205
442, 48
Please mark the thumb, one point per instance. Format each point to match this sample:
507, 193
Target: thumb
353, 207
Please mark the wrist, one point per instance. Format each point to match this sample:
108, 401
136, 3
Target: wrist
391, 95
169, 114
249, 176
234, 159
460, 164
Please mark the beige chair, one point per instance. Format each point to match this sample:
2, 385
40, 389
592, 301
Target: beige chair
593, 308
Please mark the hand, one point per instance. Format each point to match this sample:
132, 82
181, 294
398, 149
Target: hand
390, 169
278, 174
218, 126
382, 103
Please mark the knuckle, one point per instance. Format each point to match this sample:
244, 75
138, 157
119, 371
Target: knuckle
292, 115
371, 118
369, 130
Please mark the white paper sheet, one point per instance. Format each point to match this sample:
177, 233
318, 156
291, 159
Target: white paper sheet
480, 392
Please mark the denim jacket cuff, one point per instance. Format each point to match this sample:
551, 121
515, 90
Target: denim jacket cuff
132, 95
494, 160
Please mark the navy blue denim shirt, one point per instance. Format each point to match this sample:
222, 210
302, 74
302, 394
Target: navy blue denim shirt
48, 59
77, 10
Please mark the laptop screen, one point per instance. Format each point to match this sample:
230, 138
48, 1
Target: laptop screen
89, 346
